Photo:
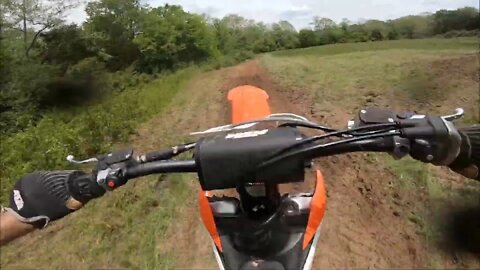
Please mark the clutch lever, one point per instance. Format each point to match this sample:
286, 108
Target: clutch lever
71, 159
459, 112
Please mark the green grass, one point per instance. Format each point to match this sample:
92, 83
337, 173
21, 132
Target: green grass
123, 230
84, 133
398, 78
431, 75
417, 44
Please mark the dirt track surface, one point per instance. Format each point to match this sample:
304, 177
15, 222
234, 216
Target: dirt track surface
363, 227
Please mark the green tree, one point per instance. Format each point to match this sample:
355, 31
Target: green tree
32, 17
113, 25
467, 18
65, 46
377, 30
285, 35
321, 24
413, 26
171, 37
308, 38
358, 33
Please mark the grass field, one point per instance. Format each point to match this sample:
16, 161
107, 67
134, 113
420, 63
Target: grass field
385, 73
128, 228
467, 44
430, 76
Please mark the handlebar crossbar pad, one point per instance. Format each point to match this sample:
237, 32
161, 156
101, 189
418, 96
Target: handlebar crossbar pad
229, 161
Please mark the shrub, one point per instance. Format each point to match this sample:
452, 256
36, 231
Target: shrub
85, 133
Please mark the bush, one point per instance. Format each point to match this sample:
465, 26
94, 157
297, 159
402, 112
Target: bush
82, 83
243, 55
86, 133
462, 33
122, 80
231, 59
20, 96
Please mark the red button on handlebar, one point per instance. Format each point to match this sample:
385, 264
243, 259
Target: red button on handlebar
111, 184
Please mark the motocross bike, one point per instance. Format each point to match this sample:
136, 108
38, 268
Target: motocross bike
260, 228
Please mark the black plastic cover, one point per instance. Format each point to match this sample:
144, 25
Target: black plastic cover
228, 161
105, 161
373, 115
274, 243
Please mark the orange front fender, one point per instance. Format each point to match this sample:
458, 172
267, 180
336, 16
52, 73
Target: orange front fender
248, 103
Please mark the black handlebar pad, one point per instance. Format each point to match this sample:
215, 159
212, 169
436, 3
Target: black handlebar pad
227, 161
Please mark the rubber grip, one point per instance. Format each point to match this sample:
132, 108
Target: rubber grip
158, 155
473, 135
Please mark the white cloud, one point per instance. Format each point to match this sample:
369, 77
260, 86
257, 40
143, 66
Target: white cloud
300, 12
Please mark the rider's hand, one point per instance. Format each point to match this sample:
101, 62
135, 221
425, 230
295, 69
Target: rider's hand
467, 162
43, 196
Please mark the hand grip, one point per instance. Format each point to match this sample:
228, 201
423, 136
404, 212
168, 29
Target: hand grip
468, 161
473, 135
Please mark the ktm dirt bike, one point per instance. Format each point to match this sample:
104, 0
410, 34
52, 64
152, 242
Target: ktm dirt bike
261, 228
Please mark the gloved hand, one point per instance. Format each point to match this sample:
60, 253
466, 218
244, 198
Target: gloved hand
44, 196
467, 162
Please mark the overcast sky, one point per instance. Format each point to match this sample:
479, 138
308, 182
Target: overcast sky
300, 12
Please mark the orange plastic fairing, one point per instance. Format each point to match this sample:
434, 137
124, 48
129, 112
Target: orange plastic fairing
208, 219
248, 103
317, 210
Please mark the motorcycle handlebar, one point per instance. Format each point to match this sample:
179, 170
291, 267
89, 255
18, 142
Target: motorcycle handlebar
169, 166
428, 139
190, 166
382, 144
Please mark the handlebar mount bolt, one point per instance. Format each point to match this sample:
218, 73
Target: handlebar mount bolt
429, 157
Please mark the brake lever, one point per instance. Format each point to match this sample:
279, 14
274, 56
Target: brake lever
71, 159
459, 113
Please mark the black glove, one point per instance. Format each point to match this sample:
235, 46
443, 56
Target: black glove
42, 196
467, 162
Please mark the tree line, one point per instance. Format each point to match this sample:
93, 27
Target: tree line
444, 23
46, 63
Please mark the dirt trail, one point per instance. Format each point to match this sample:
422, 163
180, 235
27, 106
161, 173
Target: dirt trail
365, 224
